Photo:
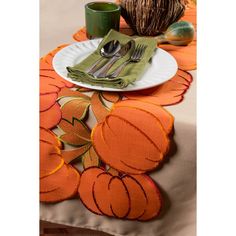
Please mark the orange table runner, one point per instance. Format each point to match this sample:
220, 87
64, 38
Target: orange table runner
120, 151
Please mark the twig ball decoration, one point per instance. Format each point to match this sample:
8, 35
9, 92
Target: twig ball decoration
151, 17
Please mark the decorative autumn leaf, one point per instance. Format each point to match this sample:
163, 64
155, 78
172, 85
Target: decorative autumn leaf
75, 109
73, 139
111, 96
76, 127
82, 89
70, 155
113, 171
90, 158
65, 92
98, 107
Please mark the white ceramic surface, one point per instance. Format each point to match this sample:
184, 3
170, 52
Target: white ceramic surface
161, 68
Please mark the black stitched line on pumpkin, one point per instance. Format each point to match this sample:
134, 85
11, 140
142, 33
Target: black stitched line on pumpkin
145, 195
126, 190
145, 136
168, 114
189, 82
118, 117
158, 120
93, 193
141, 170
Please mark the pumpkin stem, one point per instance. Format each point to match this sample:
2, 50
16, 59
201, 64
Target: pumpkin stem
161, 39
113, 171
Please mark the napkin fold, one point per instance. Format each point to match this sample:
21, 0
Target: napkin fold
129, 74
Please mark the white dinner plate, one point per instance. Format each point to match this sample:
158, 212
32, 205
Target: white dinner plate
161, 67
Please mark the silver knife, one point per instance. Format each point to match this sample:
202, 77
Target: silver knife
102, 72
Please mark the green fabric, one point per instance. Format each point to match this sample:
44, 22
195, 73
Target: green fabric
129, 74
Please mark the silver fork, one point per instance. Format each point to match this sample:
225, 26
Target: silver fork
135, 57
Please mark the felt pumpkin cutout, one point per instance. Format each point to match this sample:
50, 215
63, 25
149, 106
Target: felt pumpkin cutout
169, 93
50, 85
147, 124
58, 181
59, 186
130, 196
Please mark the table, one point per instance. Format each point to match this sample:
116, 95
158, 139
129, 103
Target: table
177, 179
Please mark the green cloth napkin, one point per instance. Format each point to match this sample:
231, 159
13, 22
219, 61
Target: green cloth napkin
128, 75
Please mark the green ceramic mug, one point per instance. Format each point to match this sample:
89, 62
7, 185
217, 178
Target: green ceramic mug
101, 17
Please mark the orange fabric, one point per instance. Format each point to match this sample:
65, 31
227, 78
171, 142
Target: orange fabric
98, 107
75, 109
85, 189
73, 139
162, 99
90, 159
165, 118
184, 55
190, 14
53, 75
47, 101
70, 155
101, 196
47, 70
48, 85
137, 196
106, 154
169, 93
80, 35
46, 80
152, 127
65, 92
51, 117
67, 187
49, 137
115, 201
113, 144
48, 58
77, 127
111, 96
133, 197
52, 182
50, 159
119, 198
185, 75
153, 196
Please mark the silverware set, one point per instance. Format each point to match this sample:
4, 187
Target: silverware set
115, 51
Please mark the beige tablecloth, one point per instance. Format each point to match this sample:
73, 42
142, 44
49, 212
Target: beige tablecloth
177, 179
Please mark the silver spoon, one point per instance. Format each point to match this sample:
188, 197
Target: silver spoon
102, 72
107, 51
